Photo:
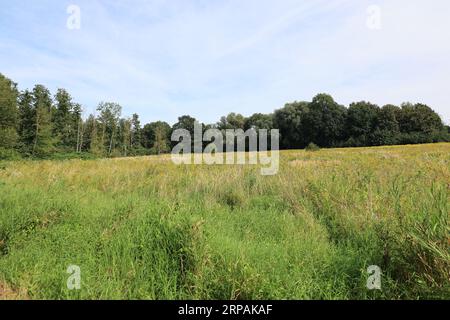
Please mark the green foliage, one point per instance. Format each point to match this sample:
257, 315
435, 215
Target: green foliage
136, 136
26, 123
124, 137
312, 147
324, 124
9, 154
64, 121
231, 121
289, 120
161, 144
259, 121
109, 115
8, 113
419, 118
91, 139
43, 140
185, 122
361, 122
156, 136
35, 126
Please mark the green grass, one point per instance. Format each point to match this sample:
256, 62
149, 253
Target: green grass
144, 228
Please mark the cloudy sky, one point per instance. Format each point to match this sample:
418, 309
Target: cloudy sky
165, 58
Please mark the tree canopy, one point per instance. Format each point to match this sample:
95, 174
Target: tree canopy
33, 123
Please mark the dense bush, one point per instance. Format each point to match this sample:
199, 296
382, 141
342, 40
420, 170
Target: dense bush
9, 154
312, 147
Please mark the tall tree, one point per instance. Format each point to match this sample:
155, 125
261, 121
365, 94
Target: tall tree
77, 123
156, 136
43, 143
161, 144
33, 124
361, 121
124, 136
91, 140
231, 121
63, 122
259, 121
185, 122
289, 121
136, 134
419, 118
324, 124
26, 122
387, 128
9, 113
109, 119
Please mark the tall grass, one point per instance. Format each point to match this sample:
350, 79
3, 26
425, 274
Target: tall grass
144, 228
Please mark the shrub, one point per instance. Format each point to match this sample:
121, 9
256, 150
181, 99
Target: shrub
9, 154
312, 147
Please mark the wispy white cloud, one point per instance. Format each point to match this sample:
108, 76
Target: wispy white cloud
164, 58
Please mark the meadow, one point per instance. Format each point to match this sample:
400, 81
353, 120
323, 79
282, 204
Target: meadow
145, 228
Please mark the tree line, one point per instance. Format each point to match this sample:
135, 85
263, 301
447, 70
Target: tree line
35, 123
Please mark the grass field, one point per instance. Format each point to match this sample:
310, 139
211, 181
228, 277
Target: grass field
144, 228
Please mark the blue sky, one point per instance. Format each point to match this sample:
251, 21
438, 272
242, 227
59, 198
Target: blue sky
165, 58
